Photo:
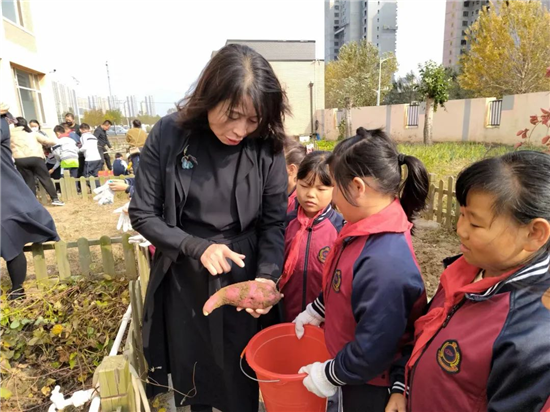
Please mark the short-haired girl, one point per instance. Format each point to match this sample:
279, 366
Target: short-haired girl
312, 229
484, 344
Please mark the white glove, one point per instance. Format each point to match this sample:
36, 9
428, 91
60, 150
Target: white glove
307, 317
104, 194
140, 240
316, 380
124, 219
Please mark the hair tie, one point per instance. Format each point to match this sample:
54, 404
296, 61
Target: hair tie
401, 159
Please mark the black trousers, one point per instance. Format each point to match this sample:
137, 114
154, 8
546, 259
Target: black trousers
93, 168
32, 168
365, 398
107, 160
81, 164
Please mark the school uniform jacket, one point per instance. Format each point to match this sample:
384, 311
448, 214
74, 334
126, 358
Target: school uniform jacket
375, 295
306, 281
493, 351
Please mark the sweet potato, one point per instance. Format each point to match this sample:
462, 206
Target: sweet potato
251, 294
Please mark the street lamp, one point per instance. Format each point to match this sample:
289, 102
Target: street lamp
380, 80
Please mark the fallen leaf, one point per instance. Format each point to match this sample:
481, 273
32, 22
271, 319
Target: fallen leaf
5, 393
57, 329
45, 390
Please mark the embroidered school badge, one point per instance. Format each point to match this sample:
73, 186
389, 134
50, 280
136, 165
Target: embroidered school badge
337, 281
323, 253
449, 356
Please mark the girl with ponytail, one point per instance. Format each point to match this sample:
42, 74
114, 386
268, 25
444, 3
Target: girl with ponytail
372, 287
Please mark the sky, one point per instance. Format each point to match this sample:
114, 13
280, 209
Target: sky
159, 47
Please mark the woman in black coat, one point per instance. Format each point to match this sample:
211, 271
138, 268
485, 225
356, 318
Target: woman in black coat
24, 220
210, 194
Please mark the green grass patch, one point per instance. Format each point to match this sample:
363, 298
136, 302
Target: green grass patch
445, 159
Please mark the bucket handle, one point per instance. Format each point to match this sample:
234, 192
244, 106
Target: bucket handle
251, 377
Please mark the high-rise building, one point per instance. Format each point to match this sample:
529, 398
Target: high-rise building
143, 108
65, 100
98, 103
131, 106
352, 20
150, 105
113, 103
459, 15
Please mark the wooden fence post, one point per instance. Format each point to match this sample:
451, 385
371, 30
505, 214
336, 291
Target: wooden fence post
84, 188
84, 257
107, 256
62, 260
66, 185
42, 195
40, 269
143, 268
115, 384
129, 257
449, 214
440, 202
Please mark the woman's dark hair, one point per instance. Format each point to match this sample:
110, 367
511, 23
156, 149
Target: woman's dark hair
136, 123
315, 166
371, 153
22, 122
234, 72
37, 122
294, 152
59, 129
520, 182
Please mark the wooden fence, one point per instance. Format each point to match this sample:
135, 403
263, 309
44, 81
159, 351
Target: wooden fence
68, 186
442, 205
85, 266
121, 378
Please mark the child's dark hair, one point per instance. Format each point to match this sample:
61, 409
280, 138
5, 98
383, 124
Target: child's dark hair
84, 126
118, 155
59, 129
520, 182
371, 153
315, 166
294, 152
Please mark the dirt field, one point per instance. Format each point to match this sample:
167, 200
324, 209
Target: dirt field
88, 219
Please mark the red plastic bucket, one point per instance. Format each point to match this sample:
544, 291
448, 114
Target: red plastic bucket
276, 355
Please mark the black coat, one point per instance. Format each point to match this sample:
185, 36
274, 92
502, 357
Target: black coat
102, 138
159, 197
24, 220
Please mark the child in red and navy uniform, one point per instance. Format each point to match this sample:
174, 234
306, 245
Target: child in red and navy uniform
372, 287
484, 344
313, 227
294, 154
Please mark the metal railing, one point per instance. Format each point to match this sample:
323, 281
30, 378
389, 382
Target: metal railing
412, 114
495, 111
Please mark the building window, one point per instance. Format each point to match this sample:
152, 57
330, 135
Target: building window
378, 28
377, 36
450, 61
463, 42
336, 52
378, 45
464, 24
11, 10
364, 29
464, 14
336, 14
378, 20
335, 44
337, 7
466, 4
30, 97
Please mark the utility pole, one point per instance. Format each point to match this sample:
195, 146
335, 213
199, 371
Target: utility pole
311, 105
109, 81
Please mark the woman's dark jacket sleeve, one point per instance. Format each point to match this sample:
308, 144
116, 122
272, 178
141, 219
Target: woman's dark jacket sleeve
147, 206
271, 227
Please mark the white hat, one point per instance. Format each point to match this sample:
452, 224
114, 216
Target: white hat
4, 107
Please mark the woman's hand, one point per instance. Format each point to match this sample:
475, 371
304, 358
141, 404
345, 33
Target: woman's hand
396, 403
118, 185
259, 312
214, 259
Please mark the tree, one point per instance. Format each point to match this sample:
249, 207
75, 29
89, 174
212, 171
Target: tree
115, 116
434, 87
93, 117
352, 80
404, 90
509, 50
148, 119
456, 92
